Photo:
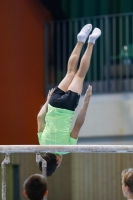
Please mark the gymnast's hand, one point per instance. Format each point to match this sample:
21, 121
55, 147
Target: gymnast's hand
88, 94
49, 94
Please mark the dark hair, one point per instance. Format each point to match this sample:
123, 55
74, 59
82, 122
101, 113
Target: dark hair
35, 187
127, 177
51, 163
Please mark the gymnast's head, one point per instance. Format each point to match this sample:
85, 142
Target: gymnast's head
35, 187
53, 162
127, 183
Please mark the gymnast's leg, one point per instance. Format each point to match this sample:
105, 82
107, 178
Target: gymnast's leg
77, 82
73, 60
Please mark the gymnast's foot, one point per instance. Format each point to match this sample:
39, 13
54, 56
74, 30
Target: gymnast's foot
83, 34
95, 34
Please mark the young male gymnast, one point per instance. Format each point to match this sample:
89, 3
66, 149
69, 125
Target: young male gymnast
35, 187
55, 117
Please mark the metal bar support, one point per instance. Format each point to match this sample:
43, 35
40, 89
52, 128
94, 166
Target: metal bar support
3, 166
44, 166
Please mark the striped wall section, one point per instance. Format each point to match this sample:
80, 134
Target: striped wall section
81, 176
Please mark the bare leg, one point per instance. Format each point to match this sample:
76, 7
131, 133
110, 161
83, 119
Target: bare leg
73, 60
77, 82
72, 67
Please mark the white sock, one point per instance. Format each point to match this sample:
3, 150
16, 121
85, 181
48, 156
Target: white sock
83, 34
95, 34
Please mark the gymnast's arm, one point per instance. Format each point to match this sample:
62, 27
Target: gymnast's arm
42, 113
81, 116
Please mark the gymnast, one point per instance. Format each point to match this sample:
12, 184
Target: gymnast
55, 117
127, 183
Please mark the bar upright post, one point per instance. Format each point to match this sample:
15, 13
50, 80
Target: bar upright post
3, 166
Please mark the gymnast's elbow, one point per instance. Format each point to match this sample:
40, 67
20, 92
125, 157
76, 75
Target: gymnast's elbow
40, 117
